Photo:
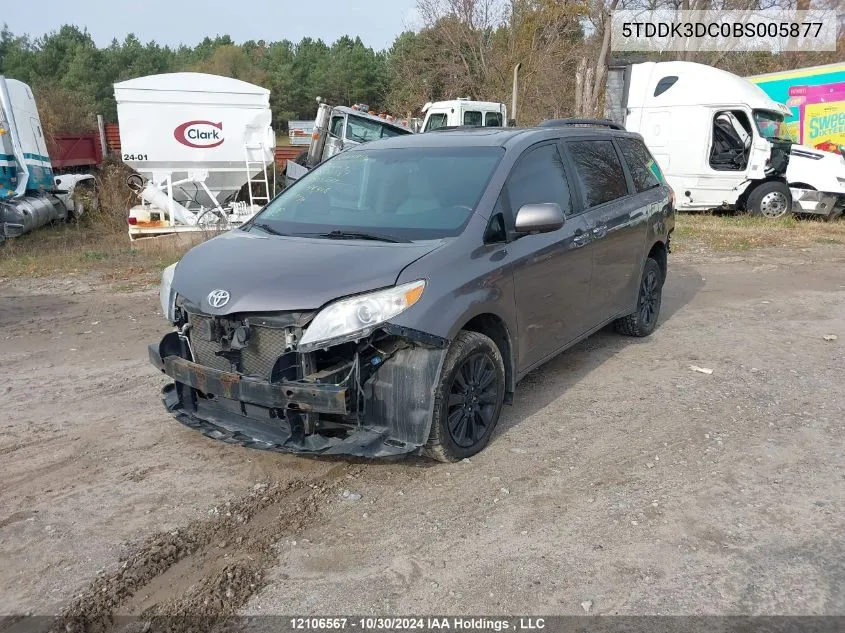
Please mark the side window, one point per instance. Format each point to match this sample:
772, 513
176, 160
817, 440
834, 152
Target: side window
644, 169
539, 177
336, 128
473, 118
435, 121
493, 119
600, 171
664, 84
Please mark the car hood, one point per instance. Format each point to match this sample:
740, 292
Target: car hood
271, 273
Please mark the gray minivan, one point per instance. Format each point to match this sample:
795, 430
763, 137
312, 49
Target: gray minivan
390, 301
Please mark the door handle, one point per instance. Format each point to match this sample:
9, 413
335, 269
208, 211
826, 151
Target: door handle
600, 231
581, 239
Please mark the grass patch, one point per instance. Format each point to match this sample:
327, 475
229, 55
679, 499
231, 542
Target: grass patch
742, 233
72, 249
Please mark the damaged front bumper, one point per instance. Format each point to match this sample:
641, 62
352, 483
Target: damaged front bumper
376, 404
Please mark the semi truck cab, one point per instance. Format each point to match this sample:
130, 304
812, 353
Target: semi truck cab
337, 128
719, 140
30, 194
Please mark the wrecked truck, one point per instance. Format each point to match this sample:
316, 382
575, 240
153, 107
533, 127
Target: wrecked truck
389, 300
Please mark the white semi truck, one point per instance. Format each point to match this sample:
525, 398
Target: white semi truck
31, 196
719, 141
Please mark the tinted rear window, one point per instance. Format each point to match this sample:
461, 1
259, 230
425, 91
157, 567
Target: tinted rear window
644, 170
599, 171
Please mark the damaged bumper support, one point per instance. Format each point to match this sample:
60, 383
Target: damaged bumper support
383, 411
817, 202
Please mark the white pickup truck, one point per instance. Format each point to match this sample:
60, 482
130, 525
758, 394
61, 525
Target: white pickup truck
464, 112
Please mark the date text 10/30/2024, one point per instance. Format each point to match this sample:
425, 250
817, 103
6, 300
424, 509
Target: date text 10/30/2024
474, 624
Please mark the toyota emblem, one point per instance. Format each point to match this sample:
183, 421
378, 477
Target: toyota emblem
218, 298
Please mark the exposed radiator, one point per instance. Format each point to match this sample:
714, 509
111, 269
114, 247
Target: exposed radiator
265, 346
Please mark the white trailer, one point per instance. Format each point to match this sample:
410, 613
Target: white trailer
30, 195
195, 140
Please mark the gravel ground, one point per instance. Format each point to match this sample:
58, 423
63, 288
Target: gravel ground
621, 481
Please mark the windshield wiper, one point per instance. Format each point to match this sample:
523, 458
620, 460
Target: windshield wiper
357, 235
267, 228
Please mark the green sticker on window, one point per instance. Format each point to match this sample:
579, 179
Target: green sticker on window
654, 169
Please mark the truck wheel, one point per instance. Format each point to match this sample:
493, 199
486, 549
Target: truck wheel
468, 399
772, 199
643, 321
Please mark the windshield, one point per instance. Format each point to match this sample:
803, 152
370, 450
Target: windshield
435, 121
408, 193
362, 130
770, 124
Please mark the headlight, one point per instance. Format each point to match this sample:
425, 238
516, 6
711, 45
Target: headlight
166, 294
357, 317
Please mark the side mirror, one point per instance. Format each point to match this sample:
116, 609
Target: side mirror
539, 218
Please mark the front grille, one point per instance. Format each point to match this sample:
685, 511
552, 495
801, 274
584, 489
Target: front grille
265, 346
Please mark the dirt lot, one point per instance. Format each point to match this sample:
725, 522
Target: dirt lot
621, 481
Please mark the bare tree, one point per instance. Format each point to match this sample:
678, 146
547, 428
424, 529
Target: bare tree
592, 73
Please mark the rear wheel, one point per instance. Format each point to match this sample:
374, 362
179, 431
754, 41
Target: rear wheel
771, 199
643, 321
468, 398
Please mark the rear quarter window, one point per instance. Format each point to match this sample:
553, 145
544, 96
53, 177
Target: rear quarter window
644, 170
599, 171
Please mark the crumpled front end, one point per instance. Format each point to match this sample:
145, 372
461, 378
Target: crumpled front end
241, 379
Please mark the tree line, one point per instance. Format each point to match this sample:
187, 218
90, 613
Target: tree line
463, 48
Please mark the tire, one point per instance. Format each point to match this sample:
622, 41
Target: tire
301, 159
643, 321
771, 199
470, 394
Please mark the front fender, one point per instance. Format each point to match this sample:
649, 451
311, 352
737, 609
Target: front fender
66, 185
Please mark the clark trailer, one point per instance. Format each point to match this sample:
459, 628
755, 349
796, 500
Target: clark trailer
195, 141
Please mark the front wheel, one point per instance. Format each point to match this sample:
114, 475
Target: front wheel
771, 199
468, 398
643, 320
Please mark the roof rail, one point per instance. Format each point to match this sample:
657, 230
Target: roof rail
449, 128
584, 122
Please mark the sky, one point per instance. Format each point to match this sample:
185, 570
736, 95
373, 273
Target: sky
172, 22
